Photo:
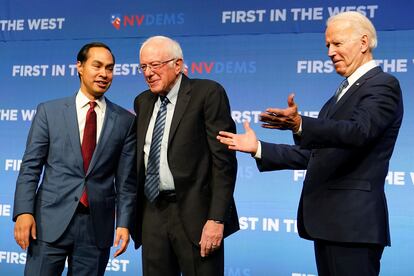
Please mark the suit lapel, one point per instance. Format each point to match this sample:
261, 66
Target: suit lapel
108, 124
71, 121
324, 113
183, 99
335, 107
144, 116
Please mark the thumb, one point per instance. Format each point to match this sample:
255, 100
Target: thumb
33, 231
246, 126
291, 102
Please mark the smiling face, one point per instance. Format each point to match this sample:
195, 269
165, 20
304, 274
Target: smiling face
160, 80
347, 49
96, 72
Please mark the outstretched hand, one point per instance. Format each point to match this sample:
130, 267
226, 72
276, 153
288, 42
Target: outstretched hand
287, 118
246, 142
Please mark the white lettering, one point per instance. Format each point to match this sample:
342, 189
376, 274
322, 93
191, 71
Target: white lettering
8, 114
248, 223
5, 210
249, 16
12, 164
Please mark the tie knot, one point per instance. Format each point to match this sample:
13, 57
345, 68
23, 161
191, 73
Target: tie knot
92, 104
343, 84
341, 87
164, 100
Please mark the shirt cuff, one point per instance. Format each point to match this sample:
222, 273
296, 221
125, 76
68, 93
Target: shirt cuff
299, 132
258, 154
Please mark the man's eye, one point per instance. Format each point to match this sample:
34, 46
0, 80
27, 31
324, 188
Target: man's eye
155, 65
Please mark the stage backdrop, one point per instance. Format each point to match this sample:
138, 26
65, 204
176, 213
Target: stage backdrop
260, 51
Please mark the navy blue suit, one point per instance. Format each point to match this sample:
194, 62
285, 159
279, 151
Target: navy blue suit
54, 145
346, 152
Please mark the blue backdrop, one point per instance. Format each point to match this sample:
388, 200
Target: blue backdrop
260, 51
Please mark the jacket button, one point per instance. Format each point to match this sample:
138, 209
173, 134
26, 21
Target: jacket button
76, 198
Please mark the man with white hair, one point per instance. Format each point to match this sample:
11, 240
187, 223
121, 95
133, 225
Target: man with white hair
186, 177
346, 152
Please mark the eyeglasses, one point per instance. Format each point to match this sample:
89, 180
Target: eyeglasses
153, 65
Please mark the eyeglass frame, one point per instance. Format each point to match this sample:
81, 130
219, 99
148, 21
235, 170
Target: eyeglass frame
151, 67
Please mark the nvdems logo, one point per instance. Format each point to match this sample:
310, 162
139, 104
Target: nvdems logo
119, 21
116, 21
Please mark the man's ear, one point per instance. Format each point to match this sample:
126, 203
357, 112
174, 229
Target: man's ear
178, 66
364, 43
79, 67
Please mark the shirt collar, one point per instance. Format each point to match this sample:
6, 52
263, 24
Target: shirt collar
361, 71
83, 101
173, 94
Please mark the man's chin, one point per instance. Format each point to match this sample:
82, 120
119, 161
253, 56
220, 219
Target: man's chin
340, 71
99, 93
155, 89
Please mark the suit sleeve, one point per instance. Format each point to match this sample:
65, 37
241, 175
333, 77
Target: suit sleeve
375, 112
224, 163
282, 157
126, 183
34, 158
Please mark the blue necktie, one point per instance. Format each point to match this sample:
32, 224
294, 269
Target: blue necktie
152, 179
341, 87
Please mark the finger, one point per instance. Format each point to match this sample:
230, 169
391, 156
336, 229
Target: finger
218, 243
272, 111
124, 245
24, 243
122, 249
118, 252
271, 116
272, 126
117, 238
24, 239
18, 238
203, 251
226, 134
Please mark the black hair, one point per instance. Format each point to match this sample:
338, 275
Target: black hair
84, 51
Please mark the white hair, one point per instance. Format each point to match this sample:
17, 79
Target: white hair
173, 47
360, 24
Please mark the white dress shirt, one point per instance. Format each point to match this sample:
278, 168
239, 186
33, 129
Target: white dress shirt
166, 177
82, 106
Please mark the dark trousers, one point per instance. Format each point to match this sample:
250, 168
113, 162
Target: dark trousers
347, 259
166, 249
77, 244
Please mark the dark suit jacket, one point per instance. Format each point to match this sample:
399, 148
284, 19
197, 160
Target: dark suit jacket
204, 170
346, 152
54, 145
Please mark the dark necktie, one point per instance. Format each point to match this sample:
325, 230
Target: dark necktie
341, 87
88, 144
152, 179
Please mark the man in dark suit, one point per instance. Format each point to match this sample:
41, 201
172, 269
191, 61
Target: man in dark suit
346, 152
186, 177
85, 146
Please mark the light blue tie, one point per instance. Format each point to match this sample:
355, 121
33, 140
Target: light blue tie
341, 87
152, 179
